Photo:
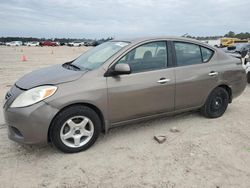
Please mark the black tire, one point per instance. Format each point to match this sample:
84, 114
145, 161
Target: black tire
66, 114
248, 77
216, 103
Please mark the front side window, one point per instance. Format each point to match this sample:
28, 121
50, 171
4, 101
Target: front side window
95, 57
150, 56
187, 53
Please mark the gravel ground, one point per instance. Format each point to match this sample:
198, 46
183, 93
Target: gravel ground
205, 153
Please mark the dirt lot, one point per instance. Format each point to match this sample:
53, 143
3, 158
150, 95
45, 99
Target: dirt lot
205, 153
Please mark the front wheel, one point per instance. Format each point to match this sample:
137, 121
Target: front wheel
216, 103
75, 129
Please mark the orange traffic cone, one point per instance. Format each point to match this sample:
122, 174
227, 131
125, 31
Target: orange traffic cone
24, 58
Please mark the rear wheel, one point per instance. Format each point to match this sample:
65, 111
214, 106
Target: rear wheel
75, 129
216, 103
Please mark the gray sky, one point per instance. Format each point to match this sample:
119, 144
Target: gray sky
122, 18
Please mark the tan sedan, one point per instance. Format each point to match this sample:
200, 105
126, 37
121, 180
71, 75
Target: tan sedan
119, 82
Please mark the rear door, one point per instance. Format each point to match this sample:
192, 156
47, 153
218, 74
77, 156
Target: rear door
148, 90
195, 74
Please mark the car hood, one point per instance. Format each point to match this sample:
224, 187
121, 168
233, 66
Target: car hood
48, 76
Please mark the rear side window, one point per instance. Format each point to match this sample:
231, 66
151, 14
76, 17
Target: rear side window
190, 54
187, 53
206, 54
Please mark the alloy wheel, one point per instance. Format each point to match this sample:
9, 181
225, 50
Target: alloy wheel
77, 131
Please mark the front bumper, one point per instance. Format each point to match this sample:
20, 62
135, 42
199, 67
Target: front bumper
29, 125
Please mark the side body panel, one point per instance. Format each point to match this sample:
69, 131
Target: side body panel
137, 95
194, 84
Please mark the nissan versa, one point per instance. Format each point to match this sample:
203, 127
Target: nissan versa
119, 82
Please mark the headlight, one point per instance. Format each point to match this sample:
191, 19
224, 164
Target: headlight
33, 96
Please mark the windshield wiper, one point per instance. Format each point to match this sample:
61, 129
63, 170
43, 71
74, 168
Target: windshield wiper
71, 66
76, 67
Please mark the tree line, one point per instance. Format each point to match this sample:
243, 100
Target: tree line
230, 34
241, 35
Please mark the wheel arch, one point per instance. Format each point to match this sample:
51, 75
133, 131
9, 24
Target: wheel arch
228, 89
93, 107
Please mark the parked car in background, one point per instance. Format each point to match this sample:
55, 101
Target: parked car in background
237, 48
245, 58
241, 51
34, 43
91, 43
119, 82
62, 43
95, 43
14, 43
76, 43
49, 43
2, 43
87, 43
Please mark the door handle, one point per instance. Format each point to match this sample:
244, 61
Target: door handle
213, 73
163, 80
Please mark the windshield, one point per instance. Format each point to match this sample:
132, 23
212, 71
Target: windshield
95, 57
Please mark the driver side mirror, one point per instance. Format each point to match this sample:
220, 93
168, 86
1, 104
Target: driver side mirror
122, 68
119, 69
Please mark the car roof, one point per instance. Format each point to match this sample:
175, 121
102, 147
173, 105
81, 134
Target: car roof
144, 39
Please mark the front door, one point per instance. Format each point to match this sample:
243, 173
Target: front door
148, 90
